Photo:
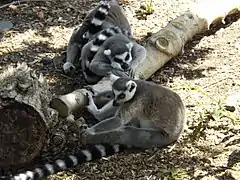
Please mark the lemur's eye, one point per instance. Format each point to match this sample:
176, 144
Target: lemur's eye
117, 60
121, 96
127, 57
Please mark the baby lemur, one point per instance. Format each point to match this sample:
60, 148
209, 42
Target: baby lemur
149, 115
91, 49
111, 52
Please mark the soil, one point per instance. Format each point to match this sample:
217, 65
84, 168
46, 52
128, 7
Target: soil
206, 76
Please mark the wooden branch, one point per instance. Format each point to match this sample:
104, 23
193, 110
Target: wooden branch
25, 115
18, 2
169, 42
65, 104
68, 103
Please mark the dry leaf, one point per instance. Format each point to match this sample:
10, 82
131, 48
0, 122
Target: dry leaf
13, 7
40, 14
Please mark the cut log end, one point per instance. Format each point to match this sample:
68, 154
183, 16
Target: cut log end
61, 106
23, 134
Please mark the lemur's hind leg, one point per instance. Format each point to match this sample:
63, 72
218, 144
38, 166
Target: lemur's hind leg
130, 136
104, 126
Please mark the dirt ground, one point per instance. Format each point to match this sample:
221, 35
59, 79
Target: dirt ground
206, 76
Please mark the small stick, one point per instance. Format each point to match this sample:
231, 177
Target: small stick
217, 82
16, 2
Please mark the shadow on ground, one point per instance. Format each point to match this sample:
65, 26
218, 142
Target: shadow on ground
182, 65
53, 13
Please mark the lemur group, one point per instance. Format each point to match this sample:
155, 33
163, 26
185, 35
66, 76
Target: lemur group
144, 115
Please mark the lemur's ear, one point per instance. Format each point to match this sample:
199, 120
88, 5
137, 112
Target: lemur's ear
129, 45
131, 85
107, 52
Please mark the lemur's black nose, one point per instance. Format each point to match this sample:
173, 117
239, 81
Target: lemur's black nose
125, 66
71, 68
115, 103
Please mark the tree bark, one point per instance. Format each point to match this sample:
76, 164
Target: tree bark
25, 116
169, 42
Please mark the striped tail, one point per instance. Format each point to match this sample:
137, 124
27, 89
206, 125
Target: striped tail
97, 20
69, 161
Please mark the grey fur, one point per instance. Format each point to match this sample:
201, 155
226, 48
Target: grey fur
149, 115
90, 50
101, 65
115, 17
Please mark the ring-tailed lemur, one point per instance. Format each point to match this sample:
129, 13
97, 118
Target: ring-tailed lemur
149, 115
81, 35
114, 53
118, 54
108, 13
89, 53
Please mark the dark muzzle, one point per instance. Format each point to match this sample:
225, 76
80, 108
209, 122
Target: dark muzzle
125, 66
115, 103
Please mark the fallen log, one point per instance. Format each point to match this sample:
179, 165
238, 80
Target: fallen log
164, 45
25, 116
65, 104
169, 42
